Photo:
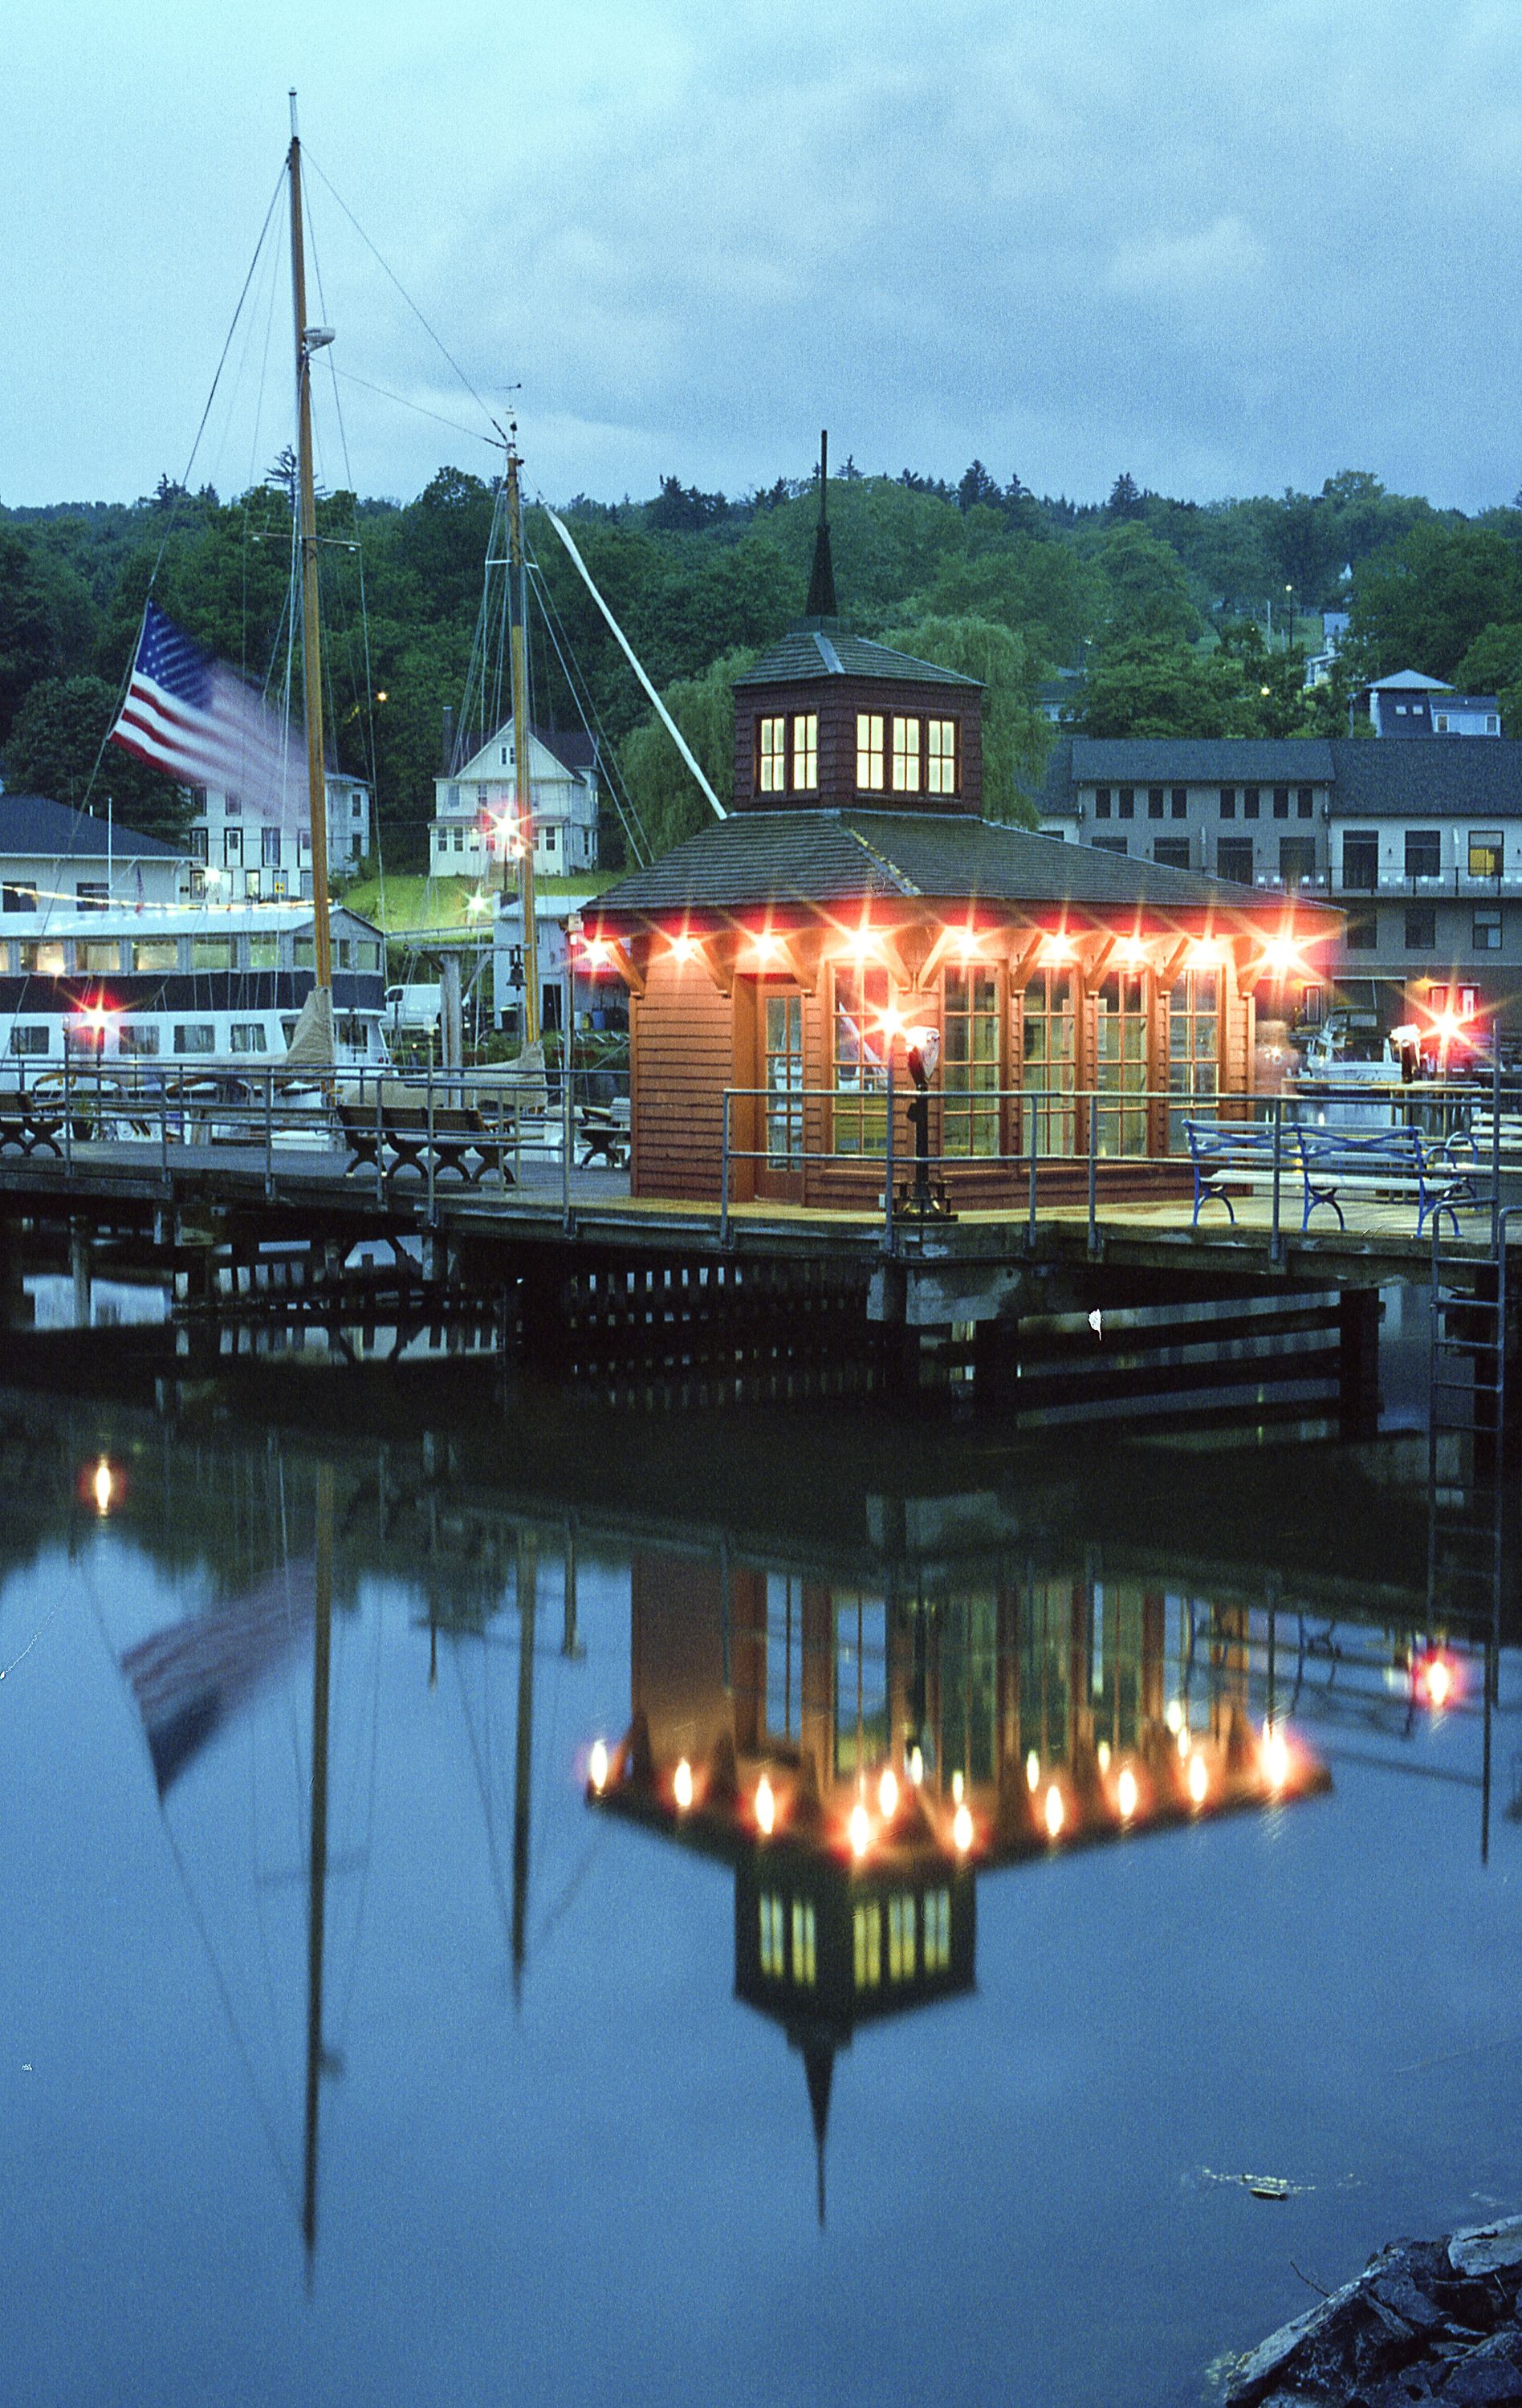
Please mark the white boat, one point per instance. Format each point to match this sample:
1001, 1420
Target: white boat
200, 988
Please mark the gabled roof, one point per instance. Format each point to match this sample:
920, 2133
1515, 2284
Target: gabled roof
814, 651
1402, 681
32, 825
574, 752
754, 859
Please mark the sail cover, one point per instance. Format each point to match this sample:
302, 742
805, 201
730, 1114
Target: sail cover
311, 1039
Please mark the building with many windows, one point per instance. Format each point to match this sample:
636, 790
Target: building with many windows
244, 854
1419, 844
475, 808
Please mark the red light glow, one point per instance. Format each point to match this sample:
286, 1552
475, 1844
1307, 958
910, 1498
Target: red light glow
1437, 1680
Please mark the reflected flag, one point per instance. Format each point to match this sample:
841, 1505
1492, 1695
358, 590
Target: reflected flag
190, 1680
194, 719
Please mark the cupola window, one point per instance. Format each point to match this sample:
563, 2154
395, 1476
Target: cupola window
942, 756
806, 753
869, 726
772, 773
905, 756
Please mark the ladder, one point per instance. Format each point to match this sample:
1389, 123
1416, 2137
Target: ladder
1465, 1458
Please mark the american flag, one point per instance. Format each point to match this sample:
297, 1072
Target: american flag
190, 1679
192, 717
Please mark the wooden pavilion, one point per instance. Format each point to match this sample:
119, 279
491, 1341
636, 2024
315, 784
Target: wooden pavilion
855, 891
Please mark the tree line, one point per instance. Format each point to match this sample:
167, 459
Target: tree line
1155, 616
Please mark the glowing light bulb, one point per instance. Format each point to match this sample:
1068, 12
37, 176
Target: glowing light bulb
1033, 1771
916, 1766
102, 1486
766, 1806
1125, 1793
598, 1767
1102, 1755
859, 1830
684, 1785
1275, 1756
962, 1830
887, 1793
1199, 1779
1055, 1811
684, 948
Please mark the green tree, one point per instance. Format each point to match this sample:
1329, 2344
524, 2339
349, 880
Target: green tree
1493, 664
1419, 604
1146, 588
1146, 688
1015, 735
667, 798
55, 748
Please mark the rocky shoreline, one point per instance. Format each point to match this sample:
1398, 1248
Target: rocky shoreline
1432, 2320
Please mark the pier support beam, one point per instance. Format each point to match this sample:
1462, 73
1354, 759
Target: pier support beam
1357, 1384
81, 1256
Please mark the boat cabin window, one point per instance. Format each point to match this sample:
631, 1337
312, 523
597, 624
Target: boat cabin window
366, 955
211, 953
33, 1039
306, 953
84, 1037
104, 957
196, 1037
92, 894
42, 961
16, 897
138, 1036
264, 953
249, 1037
155, 953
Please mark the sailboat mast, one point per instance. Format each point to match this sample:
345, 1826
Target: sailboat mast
523, 805
310, 636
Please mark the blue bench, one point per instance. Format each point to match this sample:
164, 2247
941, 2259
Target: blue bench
1393, 1164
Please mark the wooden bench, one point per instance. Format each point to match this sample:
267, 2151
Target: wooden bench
30, 1126
406, 1133
603, 1131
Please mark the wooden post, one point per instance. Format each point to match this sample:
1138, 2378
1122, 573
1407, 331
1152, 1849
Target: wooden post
1357, 1382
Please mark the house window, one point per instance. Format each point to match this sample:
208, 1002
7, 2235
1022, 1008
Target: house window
869, 751
14, 896
92, 894
771, 777
1485, 853
866, 1944
937, 1930
1296, 860
1492, 723
1362, 932
198, 844
1101, 802
1281, 802
860, 1079
1234, 859
1441, 722
1172, 852
806, 753
233, 806
1229, 802
1424, 853
805, 1959
196, 1037
1050, 1065
1108, 845
969, 1080
251, 883
1120, 1064
356, 806
1179, 802
1128, 802
269, 848
1249, 802
232, 848
901, 1937
942, 756
1154, 802
1421, 931
905, 756
1486, 932
1305, 802
138, 1036
784, 1082
1360, 861
1192, 1048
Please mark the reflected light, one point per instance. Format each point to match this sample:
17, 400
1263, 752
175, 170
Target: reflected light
1033, 1771
1174, 1716
684, 1785
962, 1830
887, 1794
1199, 1779
598, 1767
1275, 1756
1125, 1793
1102, 1755
766, 1806
916, 1766
956, 1787
1183, 1739
103, 1487
1055, 1811
1436, 1678
859, 1830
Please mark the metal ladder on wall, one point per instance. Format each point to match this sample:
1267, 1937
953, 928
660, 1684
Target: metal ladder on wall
1466, 1430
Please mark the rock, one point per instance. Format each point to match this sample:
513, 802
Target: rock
1399, 2293
1256, 2370
1487, 2248
1488, 2377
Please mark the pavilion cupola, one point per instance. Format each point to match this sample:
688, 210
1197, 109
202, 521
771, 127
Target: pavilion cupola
827, 720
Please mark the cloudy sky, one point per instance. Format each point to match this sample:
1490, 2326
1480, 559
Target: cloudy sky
1230, 245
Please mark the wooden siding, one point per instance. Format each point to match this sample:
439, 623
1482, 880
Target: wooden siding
682, 1054
837, 700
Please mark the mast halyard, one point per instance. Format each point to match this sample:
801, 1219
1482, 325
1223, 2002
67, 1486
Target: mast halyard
523, 809
309, 338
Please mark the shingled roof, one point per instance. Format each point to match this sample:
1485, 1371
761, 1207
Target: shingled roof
1418, 777
812, 651
32, 826
763, 858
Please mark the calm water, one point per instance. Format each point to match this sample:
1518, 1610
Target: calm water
516, 2135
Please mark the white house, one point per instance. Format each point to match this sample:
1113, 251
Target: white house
243, 854
475, 810
56, 862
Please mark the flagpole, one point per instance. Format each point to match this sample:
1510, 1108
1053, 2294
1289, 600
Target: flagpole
308, 339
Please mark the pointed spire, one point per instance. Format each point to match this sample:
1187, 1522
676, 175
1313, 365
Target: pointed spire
822, 603
819, 2071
